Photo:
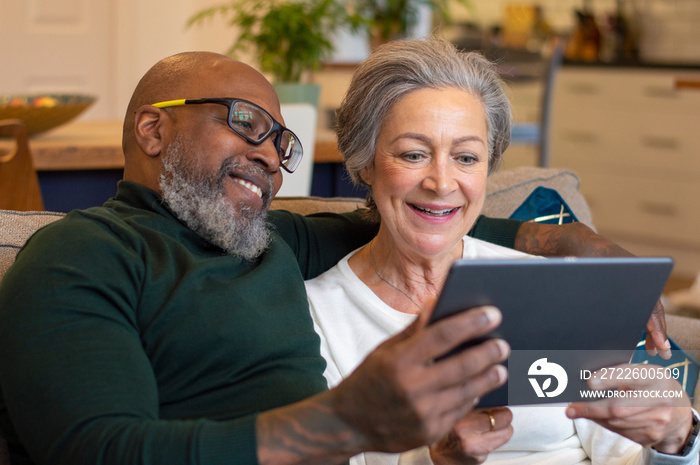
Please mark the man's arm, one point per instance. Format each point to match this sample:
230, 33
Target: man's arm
571, 239
577, 239
320, 240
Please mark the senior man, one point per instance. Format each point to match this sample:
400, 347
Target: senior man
171, 325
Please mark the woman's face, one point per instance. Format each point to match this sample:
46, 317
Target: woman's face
429, 174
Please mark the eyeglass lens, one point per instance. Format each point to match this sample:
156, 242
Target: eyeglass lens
250, 121
253, 123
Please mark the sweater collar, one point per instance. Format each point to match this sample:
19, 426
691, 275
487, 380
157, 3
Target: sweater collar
139, 196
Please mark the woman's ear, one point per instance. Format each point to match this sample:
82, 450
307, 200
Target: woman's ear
366, 175
148, 126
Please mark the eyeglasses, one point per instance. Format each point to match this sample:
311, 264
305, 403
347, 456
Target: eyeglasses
254, 125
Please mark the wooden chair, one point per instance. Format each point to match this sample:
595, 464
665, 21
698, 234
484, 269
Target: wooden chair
539, 132
553, 67
19, 184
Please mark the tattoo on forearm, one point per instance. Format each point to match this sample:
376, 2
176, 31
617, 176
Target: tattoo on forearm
573, 239
298, 435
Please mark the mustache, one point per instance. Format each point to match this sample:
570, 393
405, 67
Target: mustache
232, 166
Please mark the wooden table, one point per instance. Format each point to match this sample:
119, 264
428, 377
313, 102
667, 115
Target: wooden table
96, 145
326, 148
89, 145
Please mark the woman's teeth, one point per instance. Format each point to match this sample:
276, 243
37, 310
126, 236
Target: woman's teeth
430, 211
252, 187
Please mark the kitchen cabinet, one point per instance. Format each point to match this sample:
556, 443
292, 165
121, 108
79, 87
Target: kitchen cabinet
633, 137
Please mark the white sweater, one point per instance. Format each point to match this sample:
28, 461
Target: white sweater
351, 321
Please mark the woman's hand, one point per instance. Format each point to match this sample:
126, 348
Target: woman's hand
647, 414
475, 436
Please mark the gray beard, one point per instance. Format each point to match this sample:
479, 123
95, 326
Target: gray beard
198, 199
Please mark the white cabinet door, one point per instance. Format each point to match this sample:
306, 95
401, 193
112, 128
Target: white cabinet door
634, 140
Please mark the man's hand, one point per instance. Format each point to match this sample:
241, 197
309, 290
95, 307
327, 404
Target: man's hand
578, 240
657, 339
651, 420
401, 397
475, 436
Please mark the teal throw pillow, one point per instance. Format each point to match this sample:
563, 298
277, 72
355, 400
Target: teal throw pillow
544, 205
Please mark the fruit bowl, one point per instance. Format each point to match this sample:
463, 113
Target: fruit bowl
41, 112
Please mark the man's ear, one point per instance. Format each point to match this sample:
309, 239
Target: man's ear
148, 127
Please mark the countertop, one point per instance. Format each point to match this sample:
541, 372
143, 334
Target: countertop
96, 145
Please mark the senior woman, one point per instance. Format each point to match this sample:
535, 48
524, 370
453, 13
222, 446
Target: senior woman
422, 125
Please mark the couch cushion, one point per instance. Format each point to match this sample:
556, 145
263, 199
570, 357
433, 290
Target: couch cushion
15, 228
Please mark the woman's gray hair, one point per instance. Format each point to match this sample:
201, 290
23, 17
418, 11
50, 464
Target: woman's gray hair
400, 67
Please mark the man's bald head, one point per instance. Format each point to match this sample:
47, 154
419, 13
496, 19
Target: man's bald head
184, 76
148, 131
214, 180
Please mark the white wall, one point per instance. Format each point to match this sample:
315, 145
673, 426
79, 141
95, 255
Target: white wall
150, 30
100, 47
58, 46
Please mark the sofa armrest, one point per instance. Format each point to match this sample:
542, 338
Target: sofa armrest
309, 205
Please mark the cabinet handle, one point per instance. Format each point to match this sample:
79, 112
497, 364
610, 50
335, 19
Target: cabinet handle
583, 88
661, 142
581, 137
659, 209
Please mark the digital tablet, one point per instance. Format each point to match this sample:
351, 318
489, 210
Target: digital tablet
564, 318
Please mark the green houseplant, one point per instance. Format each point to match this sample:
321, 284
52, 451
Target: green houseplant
290, 37
388, 20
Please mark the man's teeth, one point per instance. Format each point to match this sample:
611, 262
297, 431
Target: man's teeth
430, 211
250, 186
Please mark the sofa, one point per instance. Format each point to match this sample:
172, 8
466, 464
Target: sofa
506, 192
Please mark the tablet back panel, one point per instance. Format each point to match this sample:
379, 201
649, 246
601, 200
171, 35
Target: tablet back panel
561, 304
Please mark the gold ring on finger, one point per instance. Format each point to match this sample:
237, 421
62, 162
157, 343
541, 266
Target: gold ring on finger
492, 421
